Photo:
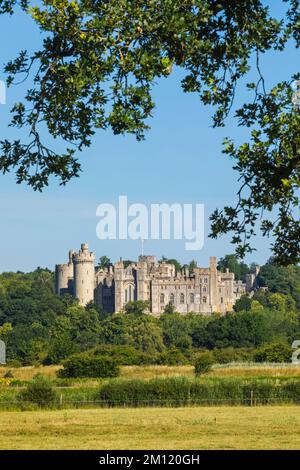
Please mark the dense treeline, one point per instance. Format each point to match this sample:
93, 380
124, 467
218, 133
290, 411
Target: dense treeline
39, 327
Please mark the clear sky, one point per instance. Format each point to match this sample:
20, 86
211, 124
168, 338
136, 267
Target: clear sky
180, 161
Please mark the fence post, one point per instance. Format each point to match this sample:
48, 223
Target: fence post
61, 402
251, 398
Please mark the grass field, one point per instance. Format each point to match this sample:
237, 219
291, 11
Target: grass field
149, 372
271, 427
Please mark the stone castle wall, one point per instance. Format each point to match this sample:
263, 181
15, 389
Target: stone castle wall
201, 290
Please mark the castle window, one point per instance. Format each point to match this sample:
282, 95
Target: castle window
204, 300
192, 298
205, 280
172, 298
221, 300
204, 289
162, 298
182, 298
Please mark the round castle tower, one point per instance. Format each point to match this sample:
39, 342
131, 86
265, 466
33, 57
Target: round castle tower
84, 275
64, 274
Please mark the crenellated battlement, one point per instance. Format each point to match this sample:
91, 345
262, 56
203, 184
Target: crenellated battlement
201, 290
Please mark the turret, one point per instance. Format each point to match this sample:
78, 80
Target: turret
84, 275
64, 275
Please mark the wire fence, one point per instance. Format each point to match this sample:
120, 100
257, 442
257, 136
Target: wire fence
63, 403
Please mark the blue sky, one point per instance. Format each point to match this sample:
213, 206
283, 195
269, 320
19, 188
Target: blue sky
180, 161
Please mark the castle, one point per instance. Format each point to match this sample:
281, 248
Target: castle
200, 290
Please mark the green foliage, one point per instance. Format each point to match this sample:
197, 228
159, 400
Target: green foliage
244, 303
89, 45
268, 165
86, 365
40, 392
125, 355
169, 308
104, 262
137, 307
193, 264
203, 362
39, 327
274, 352
231, 262
181, 391
227, 355
284, 280
175, 331
70, 94
172, 357
175, 262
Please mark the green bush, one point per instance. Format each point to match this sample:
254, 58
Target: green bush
124, 355
182, 391
137, 392
203, 362
40, 392
227, 355
86, 365
273, 352
172, 357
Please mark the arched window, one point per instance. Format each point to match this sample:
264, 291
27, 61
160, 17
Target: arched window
129, 294
204, 289
182, 298
192, 298
204, 300
172, 298
162, 298
221, 300
205, 280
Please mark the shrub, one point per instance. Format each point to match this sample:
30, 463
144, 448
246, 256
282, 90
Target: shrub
124, 355
227, 355
172, 357
8, 374
40, 392
182, 391
203, 362
136, 392
14, 363
85, 365
273, 352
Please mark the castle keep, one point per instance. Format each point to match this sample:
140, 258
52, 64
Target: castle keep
202, 290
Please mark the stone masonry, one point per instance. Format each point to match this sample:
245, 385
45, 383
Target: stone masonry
200, 290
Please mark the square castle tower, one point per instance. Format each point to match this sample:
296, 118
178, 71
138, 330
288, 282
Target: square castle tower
199, 290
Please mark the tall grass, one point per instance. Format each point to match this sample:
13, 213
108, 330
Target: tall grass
172, 391
183, 391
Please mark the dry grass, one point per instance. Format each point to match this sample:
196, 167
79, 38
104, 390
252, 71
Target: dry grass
148, 372
28, 372
153, 428
256, 370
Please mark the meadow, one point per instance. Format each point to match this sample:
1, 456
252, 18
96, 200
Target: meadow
153, 427
150, 372
272, 427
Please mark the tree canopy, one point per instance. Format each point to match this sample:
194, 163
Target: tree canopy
40, 327
97, 68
